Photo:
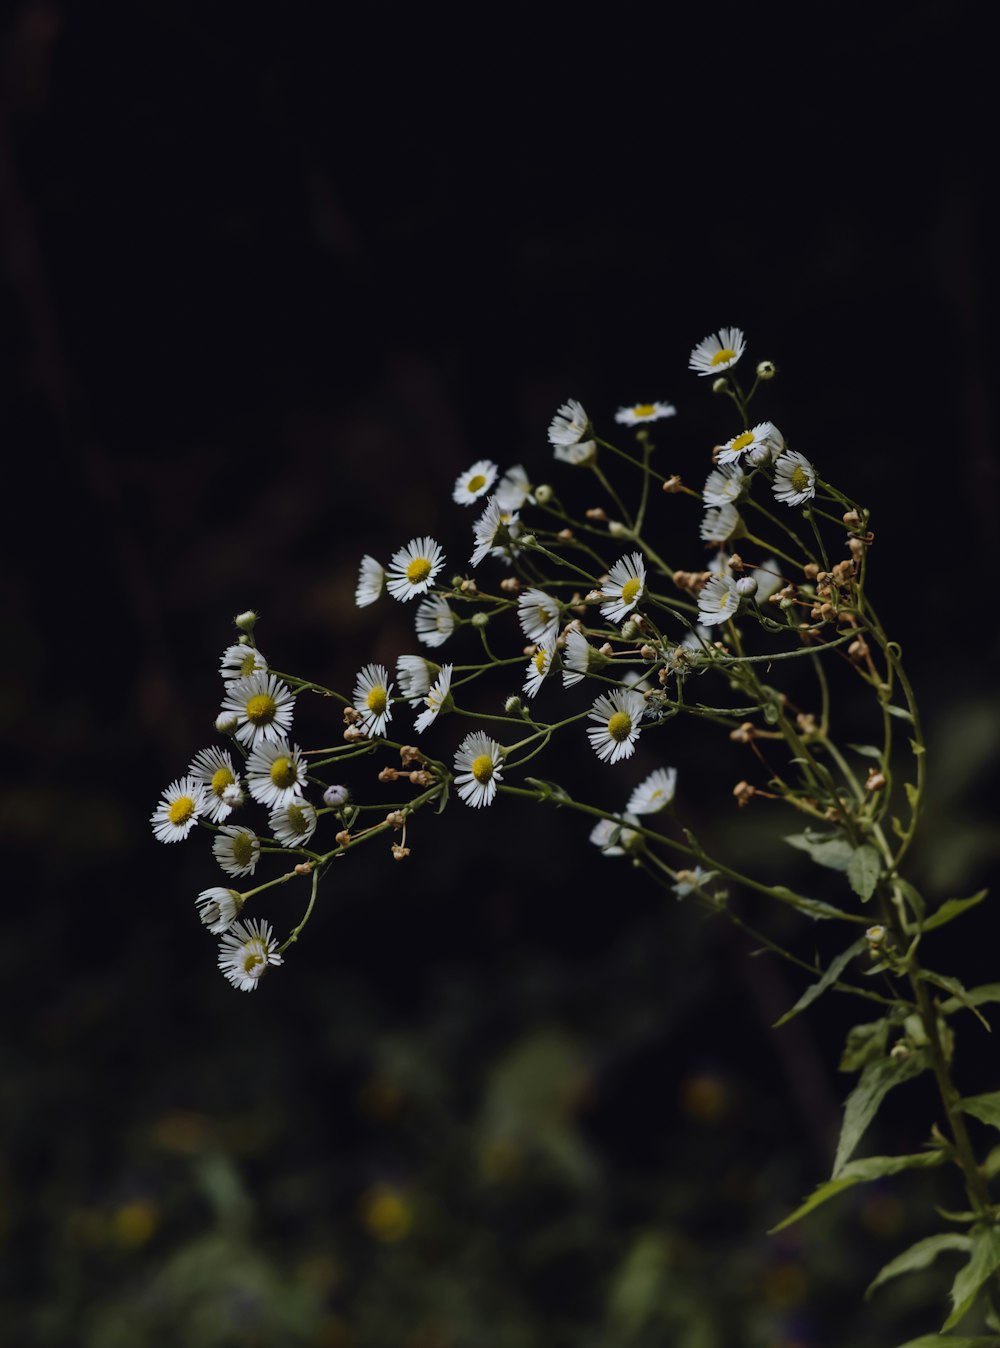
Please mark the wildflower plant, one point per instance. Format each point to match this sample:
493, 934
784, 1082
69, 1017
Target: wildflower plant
770, 591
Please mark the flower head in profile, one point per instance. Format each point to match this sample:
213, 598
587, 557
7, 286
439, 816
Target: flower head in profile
293, 824
719, 523
436, 698
236, 849
655, 793
717, 352
612, 837
538, 614
214, 769
371, 699
639, 413
435, 621
756, 446
579, 658
180, 808
477, 765
371, 581
724, 486
413, 674
718, 600
794, 479
276, 772
219, 908
474, 482
492, 527
263, 708
569, 426
624, 587
618, 715
413, 568
513, 489
538, 667
246, 952
769, 579
239, 661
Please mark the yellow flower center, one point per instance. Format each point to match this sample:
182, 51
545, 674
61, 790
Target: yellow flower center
476, 483
251, 961
249, 663
221, 778
644, 410
261, 709
742, 441
540, 661
296, 819
725, 354
376, 700
655, 795
631, 588
620, 726
283, 772
181, 810
418, 570
799, 478
482, 768
243, 849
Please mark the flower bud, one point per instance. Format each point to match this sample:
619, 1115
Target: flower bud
631, 630
226, 723
246, 621
766, 369
543, 495
513, 705
720, 385
618, 530
479, 619
335, 796
746, 587
343, 837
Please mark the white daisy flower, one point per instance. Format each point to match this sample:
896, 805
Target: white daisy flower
371, 580
183, 803
794, 479
569, 425
619, 714
639, 413
491, 523
214, 769
371, 699
612, 837
276, 773
413, 674
474, 482
236, 849
436, 698
718, 601
293, 824
246, 952
538, 666
239, 661
624, 587
514, 489
477, 763
724, 486
655, 793
413, 568
538, 614
263, 707
769, 579
694, 879
219, 908
579, 454
579, 658
435, 621
506, 549
719, 523
718, 352
754, 443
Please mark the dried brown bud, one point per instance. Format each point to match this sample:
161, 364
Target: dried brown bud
852, 519
304, 868
469, 586
736, 562
389, 775
343, 837
596, 513
811, 570
744, 733
875, 781
351, 716
399, 853
565, 533
607, 649
352, 734
647, 652
858, 650
511, 585
744, 793
673, 484
396, 818
410, 754
806, 722
421, 777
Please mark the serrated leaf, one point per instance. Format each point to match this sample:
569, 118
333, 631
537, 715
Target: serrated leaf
830, 977
869, 750
949, 1341
876, 1081
863, 871
826, 849
983, 1261
901, 712
919, 1256
986, 1108
951, 909
864, 1044
861, 1172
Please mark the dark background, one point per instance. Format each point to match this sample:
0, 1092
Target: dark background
269, 283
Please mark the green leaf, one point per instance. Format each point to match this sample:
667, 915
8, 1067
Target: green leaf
830, 977
949, 1341
919, 1256
951, 909
869, 750
827, 849
912, 794
983, 1107
815, 908
864, 1044
860, 1172
863, 871
953, 986
983, 1261
986, 992
901, 712
912, 896
876, 1081
917, 748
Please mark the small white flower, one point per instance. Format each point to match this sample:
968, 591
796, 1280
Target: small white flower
436, 698
474, 482
639, 413
214, 769
246, 952
293, 824
435, 621
413, 674
569, 425
724, 486
371, 699
655, 793
718, 352
579, 657
219, 908
413, 568
761, 439
538, 614
696, 878
513, 489
538, 666
491, 523
585, 451
619, 714
371, 581
719, 523
757, 456
718, 601
794, 479
236, 849
477, 763
263, 707
624, 587
769, 579
182, 805
612, 838
276, 773
239, 661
